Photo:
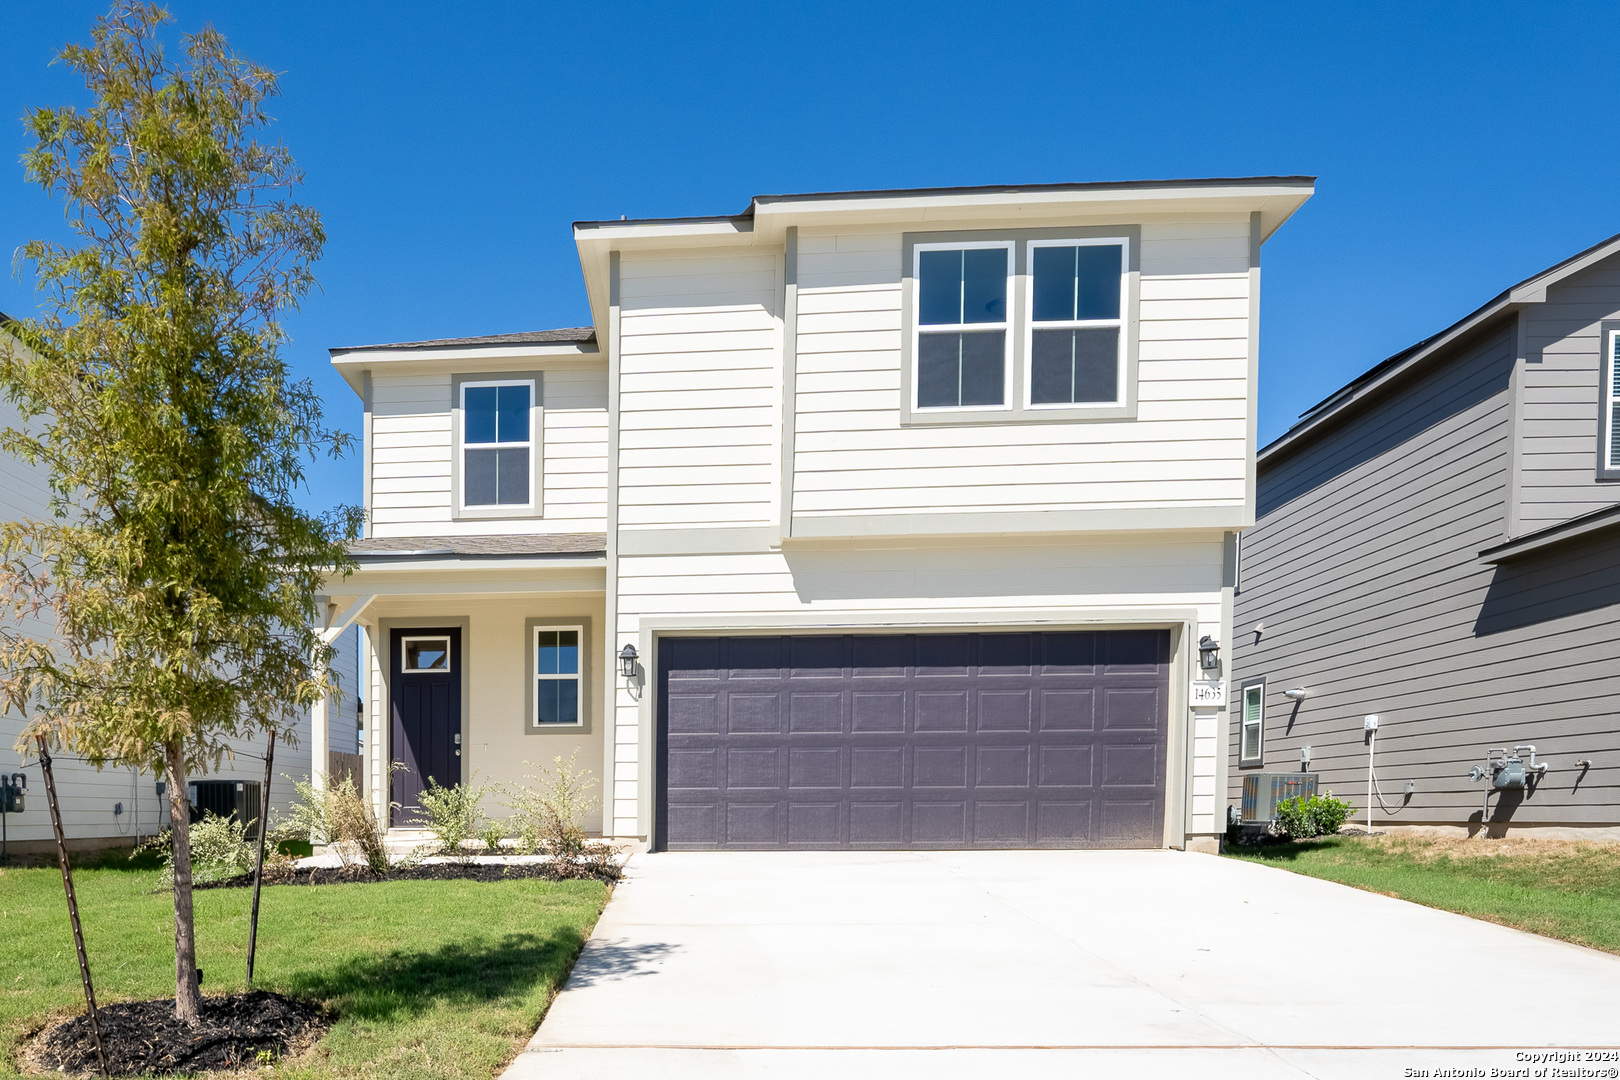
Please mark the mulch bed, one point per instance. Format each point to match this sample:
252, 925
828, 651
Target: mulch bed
144, 1037
320, 875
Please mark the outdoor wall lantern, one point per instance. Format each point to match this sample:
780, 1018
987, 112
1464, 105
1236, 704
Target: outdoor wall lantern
627, 661
1209, 653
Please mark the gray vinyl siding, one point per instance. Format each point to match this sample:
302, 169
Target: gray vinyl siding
1561, 391
1363, 566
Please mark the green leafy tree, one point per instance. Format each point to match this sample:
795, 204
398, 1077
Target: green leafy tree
180, 573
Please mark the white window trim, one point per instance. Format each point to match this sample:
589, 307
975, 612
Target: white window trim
1005, 326
532, 444
1259, 757
577, 677
1608, 462
405, 651
1029, 325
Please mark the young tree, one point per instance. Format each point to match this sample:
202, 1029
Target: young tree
180, 572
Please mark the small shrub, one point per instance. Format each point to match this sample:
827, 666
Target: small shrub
548, 815
219, 849
452, 814
337, 815
492, 834
1320, 815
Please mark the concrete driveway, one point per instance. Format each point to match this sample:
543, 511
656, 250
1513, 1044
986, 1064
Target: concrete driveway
972, 964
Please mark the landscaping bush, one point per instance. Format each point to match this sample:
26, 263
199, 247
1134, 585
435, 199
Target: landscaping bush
340, 816
1320, 815
548, 812
219, 849
453, 814
548, 816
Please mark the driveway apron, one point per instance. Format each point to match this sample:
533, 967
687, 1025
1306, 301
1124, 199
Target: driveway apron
947, 964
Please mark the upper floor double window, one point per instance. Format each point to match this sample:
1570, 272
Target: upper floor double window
496, 467
1032, 326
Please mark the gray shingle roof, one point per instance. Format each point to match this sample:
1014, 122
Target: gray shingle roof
507, 546
575, 335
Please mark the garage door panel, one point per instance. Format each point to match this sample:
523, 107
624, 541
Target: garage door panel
1131, 709
814, 823
1067, 823
879, 713
753, 769
816, 713
1002, 766
939, 823
753, 713
1005, 710
818, 657
877, 767
1065, 767
815, 768
1068, 710
942, 710
913, 740
693, 714
1001, 822
876, 824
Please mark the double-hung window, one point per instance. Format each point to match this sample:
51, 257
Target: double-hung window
1076, 353
1251, 738
497, 445
557, 675
961, 343
1609, 420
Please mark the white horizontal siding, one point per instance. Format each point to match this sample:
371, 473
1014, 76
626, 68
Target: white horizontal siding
699, 392
1187, 446
411, 456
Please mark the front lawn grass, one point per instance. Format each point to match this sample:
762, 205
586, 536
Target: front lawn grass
428, 978
1560, 889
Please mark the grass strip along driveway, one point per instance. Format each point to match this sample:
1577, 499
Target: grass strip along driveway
1561, 889
428, 978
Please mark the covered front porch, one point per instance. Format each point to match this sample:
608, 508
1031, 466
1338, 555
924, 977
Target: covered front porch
481, 659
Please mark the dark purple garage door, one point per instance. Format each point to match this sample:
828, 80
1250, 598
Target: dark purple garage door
1051, 739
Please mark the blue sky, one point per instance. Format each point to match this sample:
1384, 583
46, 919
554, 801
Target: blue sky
449, 146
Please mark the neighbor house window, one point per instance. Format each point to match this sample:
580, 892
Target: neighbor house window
1076, 350
426, 655
1251, 750
961, 325
497, 444
557, 675
1611, 406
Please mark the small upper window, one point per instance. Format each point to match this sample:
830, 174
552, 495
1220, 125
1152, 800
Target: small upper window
427, 654
1252, 748
497, 447
556, 673
1076, 354
962, 326
1611, 407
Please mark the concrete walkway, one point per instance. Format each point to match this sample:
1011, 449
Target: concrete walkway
972, 964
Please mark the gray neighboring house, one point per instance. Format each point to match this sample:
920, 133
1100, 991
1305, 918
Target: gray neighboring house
1438, 543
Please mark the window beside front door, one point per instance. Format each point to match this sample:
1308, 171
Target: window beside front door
557, 669
497, 444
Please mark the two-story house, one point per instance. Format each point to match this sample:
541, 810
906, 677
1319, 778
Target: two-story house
1436, 546
872, 519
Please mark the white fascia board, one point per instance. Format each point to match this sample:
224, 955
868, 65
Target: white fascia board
352, 364
1275, 203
